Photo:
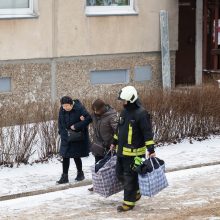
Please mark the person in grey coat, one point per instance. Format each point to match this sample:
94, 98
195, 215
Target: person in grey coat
104, 122
73, 116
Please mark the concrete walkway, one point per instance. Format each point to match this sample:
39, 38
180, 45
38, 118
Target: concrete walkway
192, 194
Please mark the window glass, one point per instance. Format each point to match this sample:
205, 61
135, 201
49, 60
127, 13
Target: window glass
109, 77
5, 84
142, 73
13, 4
108, 2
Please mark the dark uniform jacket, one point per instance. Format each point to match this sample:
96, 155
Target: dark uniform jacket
134, 133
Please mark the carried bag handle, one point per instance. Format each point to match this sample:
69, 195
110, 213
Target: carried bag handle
153, 163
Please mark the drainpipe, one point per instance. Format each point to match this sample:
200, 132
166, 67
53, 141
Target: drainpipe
165, 49
199, 41
54, 51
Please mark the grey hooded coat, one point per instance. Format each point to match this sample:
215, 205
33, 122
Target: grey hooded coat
104, 127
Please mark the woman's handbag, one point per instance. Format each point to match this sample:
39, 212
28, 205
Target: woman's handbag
98, 149
75, 136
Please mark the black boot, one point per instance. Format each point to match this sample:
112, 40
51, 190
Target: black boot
63, 179
80, 176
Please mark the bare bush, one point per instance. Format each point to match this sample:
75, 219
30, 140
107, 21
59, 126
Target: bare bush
17, 143
176, 114
183, 113
47, 132
180, 113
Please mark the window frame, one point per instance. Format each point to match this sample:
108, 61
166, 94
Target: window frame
19, 12
111, 10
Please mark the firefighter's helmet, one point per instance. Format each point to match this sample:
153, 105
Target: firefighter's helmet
128, 93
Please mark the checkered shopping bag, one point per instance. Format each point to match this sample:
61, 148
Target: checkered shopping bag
153, 182
105, 182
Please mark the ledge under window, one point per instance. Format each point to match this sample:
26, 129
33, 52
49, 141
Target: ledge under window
19, 16
109, 10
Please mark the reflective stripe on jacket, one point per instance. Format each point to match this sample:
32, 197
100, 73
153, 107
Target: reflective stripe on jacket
134, 133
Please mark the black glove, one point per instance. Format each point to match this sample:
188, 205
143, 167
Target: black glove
150, 149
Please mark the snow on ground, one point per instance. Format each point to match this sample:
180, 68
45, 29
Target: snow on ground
39, 176
185, 153
27, 178
190, 192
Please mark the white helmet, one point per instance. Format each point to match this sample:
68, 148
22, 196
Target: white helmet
128, 93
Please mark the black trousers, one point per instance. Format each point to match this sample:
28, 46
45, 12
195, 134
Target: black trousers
129, 178
66, 164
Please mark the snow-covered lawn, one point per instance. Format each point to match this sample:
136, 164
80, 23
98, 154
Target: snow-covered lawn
27, 178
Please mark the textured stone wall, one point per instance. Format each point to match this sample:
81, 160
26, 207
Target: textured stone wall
30, 82
73, 74
32, 79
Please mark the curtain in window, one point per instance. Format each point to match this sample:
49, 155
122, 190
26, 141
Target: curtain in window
107, 2
13, 4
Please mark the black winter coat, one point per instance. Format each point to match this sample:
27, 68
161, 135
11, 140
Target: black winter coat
65, 121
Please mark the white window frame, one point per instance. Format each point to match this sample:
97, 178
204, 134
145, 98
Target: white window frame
20, 12
111, 10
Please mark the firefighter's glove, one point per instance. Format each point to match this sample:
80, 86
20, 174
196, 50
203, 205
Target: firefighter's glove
150, 149
137, 162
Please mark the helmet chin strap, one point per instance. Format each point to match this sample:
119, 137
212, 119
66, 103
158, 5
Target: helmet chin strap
132, 98
130, 106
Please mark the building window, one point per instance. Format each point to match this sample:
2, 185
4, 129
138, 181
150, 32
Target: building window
142, 73
110, 7
17, 8
108, 2
5, 84
109, 77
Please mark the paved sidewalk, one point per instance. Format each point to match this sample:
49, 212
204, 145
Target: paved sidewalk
192, 194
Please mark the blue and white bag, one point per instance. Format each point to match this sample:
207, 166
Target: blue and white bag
152, 183
105, 181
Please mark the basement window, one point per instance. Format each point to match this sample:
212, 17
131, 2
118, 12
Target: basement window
110, 7
142, 73
18, 8
109, 77
5, 84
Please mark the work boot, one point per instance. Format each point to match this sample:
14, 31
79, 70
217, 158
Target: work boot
138, 196
80, 176
91, 189
63, 179
124, 208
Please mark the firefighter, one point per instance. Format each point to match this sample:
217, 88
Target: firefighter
133, 137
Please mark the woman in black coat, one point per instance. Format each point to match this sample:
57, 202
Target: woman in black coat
74, 116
